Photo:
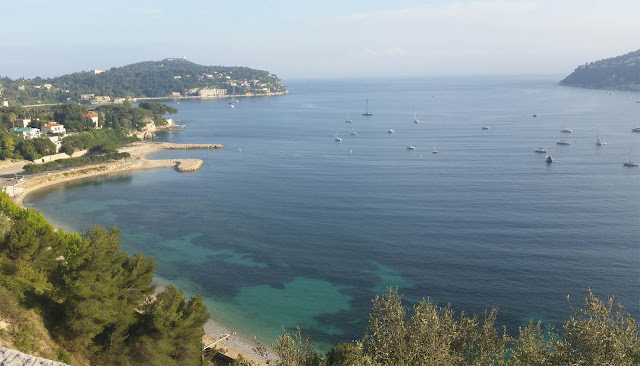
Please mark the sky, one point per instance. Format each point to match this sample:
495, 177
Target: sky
318, 39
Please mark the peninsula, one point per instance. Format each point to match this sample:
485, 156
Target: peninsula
616, 73
169, 78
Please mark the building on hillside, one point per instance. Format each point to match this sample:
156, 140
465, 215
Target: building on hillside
94, 118
27, 133
53, 128
101, 99
119, 100
87, 96
212, 92
47, 86
176, 94
96, 72
24, 122
5, 103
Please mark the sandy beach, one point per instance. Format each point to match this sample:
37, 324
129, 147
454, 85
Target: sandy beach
18, 189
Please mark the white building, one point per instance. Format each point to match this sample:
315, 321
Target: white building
212, 92
53, 128
27, 133
23, 121
94, 118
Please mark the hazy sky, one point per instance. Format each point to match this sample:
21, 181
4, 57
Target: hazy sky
319, 39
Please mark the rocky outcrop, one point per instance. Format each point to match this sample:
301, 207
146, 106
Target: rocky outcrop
10, 357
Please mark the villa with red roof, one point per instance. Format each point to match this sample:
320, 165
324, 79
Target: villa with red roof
94, 118
53, 128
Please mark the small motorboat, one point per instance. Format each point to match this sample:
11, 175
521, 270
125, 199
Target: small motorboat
548, 159
411, 147
540, 149
391, 131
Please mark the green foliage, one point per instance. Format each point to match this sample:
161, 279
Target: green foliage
63, 356
296, 351
602, 334
75, 162
173, 326
345, 354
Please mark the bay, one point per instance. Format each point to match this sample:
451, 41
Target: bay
285, 226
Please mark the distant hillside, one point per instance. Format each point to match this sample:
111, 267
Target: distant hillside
169, 77
621, 73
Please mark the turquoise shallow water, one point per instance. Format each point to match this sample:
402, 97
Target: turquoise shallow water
298, 229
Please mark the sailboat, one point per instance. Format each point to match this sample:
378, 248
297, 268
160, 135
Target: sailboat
338, 137
599, 142
366, 110
348, 118
630, 163
415, 118
565, 129
233, 98
435, 149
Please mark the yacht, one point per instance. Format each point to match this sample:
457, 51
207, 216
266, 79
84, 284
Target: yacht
637, 129
548, 159
348, 118
411, 147
631, 163
415, 118
563, 142
435, 149
338, 137
565, 129
353, 132
366, 110
540, 149
391, 131
485, 127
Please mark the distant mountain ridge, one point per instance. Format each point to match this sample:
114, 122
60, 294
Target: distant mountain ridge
620, 73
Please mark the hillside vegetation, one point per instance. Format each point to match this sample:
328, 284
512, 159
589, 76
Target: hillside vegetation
620, 73
171, 76
71, 297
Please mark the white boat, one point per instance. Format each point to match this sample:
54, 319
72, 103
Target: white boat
415, 118
563, 142
637, 129
366, 110
485, 127
233, 98
391, 131
599, 142
411, 147
540, 149
353, 132
338, 137
548, 159
435, 149
565, 129
348, 118
631, 163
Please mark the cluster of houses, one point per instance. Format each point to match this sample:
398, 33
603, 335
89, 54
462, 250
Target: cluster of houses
52, 130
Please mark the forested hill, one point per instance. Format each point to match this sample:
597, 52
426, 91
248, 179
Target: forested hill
621, 73
171, 75
166, 78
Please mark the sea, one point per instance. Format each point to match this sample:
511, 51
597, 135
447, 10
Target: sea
287, 227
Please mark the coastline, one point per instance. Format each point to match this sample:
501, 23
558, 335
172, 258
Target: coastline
235, 345
137, 161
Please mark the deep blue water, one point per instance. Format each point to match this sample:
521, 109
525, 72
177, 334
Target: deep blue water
286, 226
